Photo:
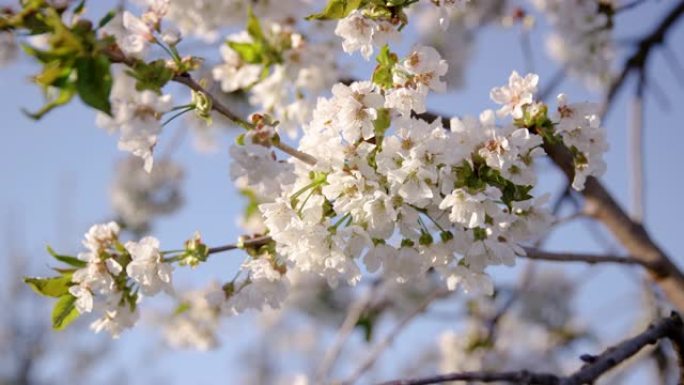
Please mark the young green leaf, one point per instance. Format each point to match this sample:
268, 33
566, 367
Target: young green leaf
69, 260
151, 76
64, 312
94, 82
50, 287
336, 9
64, 97
107, 18
80, 7
250, 53
382, 75
254, 28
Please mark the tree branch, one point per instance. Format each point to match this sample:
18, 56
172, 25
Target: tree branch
613, 356
354, 313
253, 242
632, 235
590, 259
670, 327
638, 60
222, 109
387, 341
521, 377
116, 56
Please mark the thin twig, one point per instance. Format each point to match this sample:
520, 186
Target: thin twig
590, 259
628, 6
253, 242
225, 111
387, 341
354, 313
637, 62
636, 159
304, 157
116, 56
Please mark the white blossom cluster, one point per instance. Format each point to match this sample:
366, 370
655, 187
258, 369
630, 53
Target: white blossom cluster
136, 116
137, 197
262, 283
206, 18
139, 32
372, 187
581, 39
116, 276
579, 124
364, 34
287, 89
412, 195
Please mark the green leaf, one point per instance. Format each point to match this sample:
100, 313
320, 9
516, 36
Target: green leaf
383, 122
64, 97
254, 28
69, 260
250, 53
367, 323
94, 82
182, 308
41, 55
151, 76
336, 9
107, 18
80, 7
64, 312
382, 75
49, 287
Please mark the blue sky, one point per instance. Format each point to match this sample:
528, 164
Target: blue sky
56, 174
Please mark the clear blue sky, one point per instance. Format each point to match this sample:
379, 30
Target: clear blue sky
56, 173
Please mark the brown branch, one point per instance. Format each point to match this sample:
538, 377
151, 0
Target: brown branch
638, 60
253, 242
354, 312
222, 109
596, 366
116, 56
590, 259
632, 235
613, 356
520, 377
636, 160
217, 106
677, 339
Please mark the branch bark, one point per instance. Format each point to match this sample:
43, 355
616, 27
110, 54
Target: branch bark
253, 242
116, 56
520, 377
638, 60
632, 235
670, 328
590, 259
